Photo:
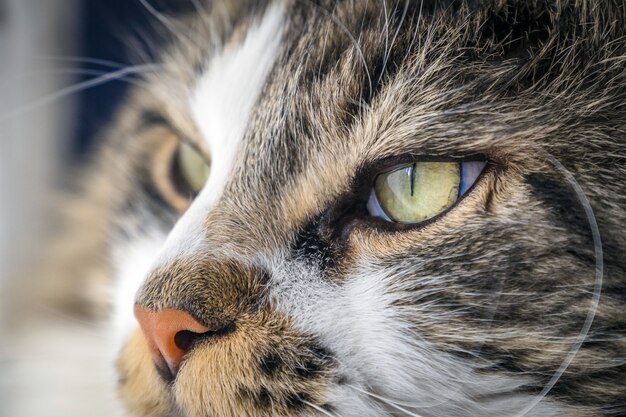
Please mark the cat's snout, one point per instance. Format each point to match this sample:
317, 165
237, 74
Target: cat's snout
171, 334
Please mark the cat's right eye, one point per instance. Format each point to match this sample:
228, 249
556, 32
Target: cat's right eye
413, 193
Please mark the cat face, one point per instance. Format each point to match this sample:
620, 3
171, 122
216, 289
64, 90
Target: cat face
385, 228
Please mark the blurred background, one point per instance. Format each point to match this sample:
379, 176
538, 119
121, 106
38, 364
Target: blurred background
54, 57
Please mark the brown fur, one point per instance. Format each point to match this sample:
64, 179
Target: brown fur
506, 80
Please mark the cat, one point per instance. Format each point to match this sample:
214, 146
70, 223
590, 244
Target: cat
368, 208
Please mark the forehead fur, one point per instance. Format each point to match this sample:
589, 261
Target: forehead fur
355, 82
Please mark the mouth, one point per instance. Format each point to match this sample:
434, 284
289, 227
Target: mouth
164, 371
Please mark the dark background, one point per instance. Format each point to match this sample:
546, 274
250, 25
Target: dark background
117, 31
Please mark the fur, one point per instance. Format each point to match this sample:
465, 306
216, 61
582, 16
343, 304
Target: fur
300, 104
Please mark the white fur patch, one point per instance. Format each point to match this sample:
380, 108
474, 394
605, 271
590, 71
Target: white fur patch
221, 104
389, 368
133, 261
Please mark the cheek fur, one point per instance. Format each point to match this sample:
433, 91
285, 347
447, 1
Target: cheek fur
133, 260
140, 387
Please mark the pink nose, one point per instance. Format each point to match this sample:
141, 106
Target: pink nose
170, 335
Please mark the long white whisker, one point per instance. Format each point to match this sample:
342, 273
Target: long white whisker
62, 71
67, 91
83, 60
167, 23
597, 288
386, 401
320, 409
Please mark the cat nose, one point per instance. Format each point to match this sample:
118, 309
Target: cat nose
171, 334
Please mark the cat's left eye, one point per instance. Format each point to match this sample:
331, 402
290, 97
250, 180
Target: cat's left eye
194, 168
179, 171
413, 193
188, 173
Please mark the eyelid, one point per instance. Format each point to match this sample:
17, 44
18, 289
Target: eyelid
196, 147
152, 119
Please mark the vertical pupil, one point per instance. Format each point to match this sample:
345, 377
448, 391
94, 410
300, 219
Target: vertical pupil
412, 174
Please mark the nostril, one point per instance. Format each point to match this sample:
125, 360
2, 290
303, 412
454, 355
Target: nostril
185, 340
171, 334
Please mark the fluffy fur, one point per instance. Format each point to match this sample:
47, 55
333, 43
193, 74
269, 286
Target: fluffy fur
337, 314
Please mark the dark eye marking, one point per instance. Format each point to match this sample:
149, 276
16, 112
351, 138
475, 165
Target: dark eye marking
149, 119
312, 243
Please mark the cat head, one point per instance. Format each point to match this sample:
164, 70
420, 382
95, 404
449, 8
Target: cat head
356, 208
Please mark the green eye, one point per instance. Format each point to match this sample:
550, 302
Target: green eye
194, 168
419, 191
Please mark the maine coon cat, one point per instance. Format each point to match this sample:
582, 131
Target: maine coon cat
371, 208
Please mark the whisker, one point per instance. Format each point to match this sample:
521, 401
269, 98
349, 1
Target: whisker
167, 23
202, 12
349, 34
386, 29
83, 60
416, 30
393, 41
76, 88
318, 408
385, 400
597, 289
63, 71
